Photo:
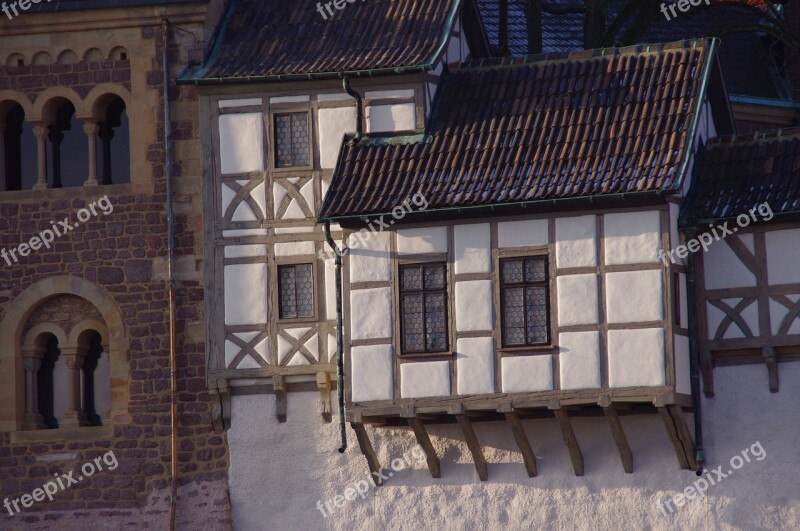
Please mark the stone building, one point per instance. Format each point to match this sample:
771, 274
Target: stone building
85, 314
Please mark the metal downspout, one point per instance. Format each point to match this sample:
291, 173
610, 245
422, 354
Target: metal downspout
694, 357
170, 279
339, 342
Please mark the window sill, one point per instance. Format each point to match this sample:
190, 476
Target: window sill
523, 350
62, 434
442, 355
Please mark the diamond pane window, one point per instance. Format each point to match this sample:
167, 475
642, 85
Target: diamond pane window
291, 140
296, 291
423, 308
525, 299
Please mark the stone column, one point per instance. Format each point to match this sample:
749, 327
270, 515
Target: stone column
91, 130
31, 361
40, 132
74, 416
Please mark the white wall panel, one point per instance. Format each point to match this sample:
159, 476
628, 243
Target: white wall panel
523, 374
333, 124
422, 240
371, 373
783, 256
371, 313
635, 296
422, 379
475, 363
473, 305
723, 269
579, 360
632, 237
576, 241
473, 253
528, 232
245, 294
397, 117
241, 142
371, 262
577, 300
636, 357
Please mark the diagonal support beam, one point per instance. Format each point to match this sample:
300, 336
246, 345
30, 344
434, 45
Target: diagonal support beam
619, 438
524, 444
474, 446
425, 442
369, 452
570, 441
679, 435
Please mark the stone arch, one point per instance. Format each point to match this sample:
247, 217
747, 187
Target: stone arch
93, 54
89, 324
8, 97
13, 59
98, 98
17, 314
47, 100
44, 328
42, 58
67, 57
118, 53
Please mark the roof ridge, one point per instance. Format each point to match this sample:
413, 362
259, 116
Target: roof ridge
757, 136
587, 54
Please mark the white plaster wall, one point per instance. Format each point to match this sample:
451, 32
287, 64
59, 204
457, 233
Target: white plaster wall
636, 357
576, 241
632, 237
370, 260
397, 117
521, 374
278, 472
527, 232
579, 360
333, 124
474, 306
723, 269
371, 313
371, 373
473, 253
424, 379
245, 294
783, 256
634, 296
683, 382
241, 142
422, 240
475, 363
577, 300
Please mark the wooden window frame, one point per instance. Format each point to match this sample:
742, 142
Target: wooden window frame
275, 112
424, 353
524, 284
314, 306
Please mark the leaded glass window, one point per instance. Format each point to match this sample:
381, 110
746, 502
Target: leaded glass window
296, 291
291, 140
423, 308
524, 292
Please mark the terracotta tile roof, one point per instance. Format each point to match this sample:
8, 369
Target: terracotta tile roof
748, 68
543, 127
739, 173
260, 39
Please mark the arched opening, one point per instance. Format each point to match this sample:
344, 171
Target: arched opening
114, 135
95, 380
18, 168
46, 383
69, 164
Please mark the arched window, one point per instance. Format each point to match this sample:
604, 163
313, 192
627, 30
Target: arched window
46, 383
18, 149
96, 388
69, 164
114, 136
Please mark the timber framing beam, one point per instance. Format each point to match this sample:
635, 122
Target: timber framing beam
279, 385
570, 440
369, 452
425, 442
524, 444
679, 435
619, 438
474, 446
